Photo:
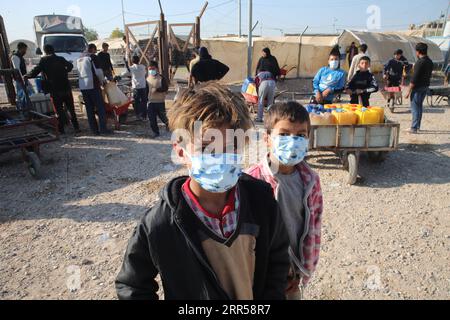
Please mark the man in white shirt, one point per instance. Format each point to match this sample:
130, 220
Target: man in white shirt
18, 63
356, 60
91, 79
138, 74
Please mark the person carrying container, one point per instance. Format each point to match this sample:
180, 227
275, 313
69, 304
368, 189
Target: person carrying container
90, 82
55, 70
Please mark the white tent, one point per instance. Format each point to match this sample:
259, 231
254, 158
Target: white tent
382, 46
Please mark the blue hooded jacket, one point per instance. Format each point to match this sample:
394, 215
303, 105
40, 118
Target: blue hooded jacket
331, 79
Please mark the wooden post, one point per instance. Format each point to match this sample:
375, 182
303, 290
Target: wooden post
197, 37
5, 63
127, 43
163, 48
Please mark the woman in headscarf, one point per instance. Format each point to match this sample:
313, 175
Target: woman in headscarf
208, 69
268, 63
267, 73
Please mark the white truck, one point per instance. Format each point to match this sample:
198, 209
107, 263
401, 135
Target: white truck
65, 34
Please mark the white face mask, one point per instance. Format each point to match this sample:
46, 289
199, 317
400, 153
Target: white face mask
334, 64
216, 173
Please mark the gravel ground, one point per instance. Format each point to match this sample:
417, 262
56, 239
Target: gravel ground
63, 237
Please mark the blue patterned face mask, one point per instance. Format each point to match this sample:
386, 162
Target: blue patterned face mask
216, 173
290, 150
153, 72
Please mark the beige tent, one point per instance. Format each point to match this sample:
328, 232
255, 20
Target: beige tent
312, 53
382, 46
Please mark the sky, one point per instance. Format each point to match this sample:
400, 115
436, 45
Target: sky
274, 17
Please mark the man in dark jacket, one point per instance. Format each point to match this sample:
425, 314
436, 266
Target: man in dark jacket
208, 69
268, 63
104, 58
420, 82
55, 70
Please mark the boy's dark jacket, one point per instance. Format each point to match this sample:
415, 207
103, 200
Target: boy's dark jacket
363, 80
166, 242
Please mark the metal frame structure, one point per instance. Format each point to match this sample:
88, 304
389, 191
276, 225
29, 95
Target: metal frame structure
5, 63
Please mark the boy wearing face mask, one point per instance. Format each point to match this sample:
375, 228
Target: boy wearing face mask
329, 80
217, 234
296, 187
156, 99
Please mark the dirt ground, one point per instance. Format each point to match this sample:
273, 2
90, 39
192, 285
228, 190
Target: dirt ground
63, 237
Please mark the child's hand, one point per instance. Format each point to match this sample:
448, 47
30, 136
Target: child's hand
359, 91
326, 93
293, 286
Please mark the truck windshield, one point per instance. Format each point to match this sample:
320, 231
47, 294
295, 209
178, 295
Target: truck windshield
66, 43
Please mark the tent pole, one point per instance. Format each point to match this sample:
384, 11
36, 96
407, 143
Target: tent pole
240, 17
300, 52
250, 40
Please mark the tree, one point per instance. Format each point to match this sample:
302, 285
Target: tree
90, 34
117, 33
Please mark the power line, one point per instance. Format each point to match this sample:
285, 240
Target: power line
181, 14
109, 20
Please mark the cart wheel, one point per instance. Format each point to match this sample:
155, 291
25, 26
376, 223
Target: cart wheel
344, 159
377, 156
352, 168
430, 101
391, 105
34, 165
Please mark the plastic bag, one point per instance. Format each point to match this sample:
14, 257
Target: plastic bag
114, 96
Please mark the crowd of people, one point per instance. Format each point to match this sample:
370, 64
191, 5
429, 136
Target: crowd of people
150, 87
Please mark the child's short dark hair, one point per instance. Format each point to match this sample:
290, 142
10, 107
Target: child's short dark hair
214, 105
135, 59
153, 64
365, 58
292, 111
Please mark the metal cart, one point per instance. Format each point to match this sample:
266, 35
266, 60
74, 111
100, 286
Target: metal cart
349, 141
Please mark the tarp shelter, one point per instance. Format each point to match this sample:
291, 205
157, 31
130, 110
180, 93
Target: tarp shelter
58, 24
382, 46
51, 24
312, 52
